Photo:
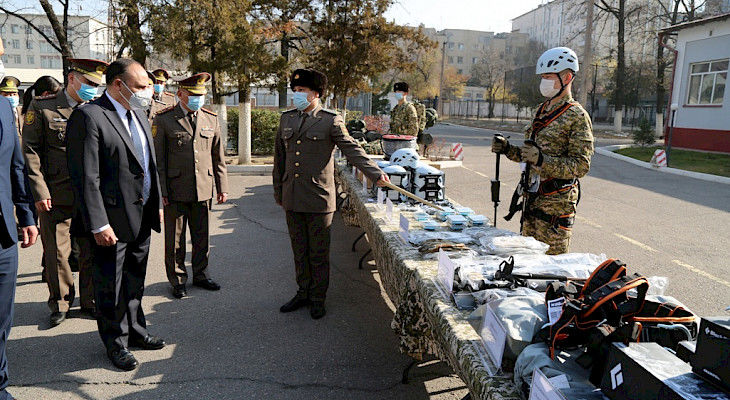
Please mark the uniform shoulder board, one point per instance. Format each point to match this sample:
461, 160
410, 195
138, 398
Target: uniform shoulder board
46, 97
333, 112
157, 101
209, 112
289, 111
166, 109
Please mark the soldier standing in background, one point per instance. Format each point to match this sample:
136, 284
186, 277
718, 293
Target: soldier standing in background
304, 183
557, 150
160, 99
191, 165
9, 89
44, 146
403, 117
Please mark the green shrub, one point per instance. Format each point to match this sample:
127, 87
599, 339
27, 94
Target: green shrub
644, 134
264, 124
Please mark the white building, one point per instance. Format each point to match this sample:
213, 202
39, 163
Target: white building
28, 55
698, 93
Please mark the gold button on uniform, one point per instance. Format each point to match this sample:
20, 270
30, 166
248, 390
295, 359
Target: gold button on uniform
296, 175
314, 138
297, 153
296, 164
299, 142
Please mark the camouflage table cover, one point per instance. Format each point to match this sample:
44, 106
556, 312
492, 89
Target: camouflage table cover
426, 321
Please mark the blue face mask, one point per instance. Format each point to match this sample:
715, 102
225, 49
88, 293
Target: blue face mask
159, 87
398, 96
14, 100
195, 103
300, 101
87, 92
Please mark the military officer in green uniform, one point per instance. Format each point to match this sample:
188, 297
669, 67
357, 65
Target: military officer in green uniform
557, 152
161, 99
44, 146
403, 117
9, 89
304, 183
191, 165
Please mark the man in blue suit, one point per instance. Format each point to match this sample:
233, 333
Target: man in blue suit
13, 192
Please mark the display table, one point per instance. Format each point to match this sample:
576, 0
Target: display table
426, 321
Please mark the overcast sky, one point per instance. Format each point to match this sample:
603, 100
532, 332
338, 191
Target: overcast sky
480, 15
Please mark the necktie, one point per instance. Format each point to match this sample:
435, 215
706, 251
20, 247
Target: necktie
304, 118
191, 118
139, 147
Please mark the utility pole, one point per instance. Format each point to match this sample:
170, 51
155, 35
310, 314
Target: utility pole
441, 80
587, 52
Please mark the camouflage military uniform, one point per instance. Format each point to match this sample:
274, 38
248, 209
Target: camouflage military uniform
421, 114
567, 147
404, 120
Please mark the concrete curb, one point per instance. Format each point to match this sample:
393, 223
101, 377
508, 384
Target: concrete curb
608, 151
251, 170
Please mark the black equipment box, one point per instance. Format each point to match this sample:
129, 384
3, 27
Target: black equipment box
686, 350
647, 371
712, 356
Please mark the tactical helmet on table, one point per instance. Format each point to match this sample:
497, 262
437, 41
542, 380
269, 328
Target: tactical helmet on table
405, 158
556, 60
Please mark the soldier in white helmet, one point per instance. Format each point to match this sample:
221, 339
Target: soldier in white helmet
558, 149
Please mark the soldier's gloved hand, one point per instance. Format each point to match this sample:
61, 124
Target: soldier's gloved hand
500, 145
531, 154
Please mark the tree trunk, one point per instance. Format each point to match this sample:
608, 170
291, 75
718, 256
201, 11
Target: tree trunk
621, 65
283, 78
244, 124
61, 31
132, 32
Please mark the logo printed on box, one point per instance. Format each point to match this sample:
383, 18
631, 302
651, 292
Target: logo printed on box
617, 378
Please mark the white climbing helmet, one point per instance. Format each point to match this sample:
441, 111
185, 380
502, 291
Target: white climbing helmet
405, 158
556, 60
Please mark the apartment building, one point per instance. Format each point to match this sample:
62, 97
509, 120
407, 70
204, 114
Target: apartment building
28, 55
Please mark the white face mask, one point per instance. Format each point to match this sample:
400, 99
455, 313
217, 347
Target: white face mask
140, 100
547, 88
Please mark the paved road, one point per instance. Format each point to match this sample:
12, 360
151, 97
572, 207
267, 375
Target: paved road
233, 344
659, 224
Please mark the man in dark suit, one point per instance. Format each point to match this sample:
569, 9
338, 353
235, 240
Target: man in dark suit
113, 174
13, 193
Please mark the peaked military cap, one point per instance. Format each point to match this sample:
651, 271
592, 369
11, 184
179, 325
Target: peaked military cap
150, 78
195, 84
93, 70
400, 86
160, 75
9, 84
309, 78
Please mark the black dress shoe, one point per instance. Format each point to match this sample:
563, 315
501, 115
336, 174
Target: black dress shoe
317, 310
207, 284
149, 342
179, 291
57, 317
122, 358
294, 304
88, 311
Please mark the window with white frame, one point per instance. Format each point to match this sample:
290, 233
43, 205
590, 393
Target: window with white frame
707, 82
